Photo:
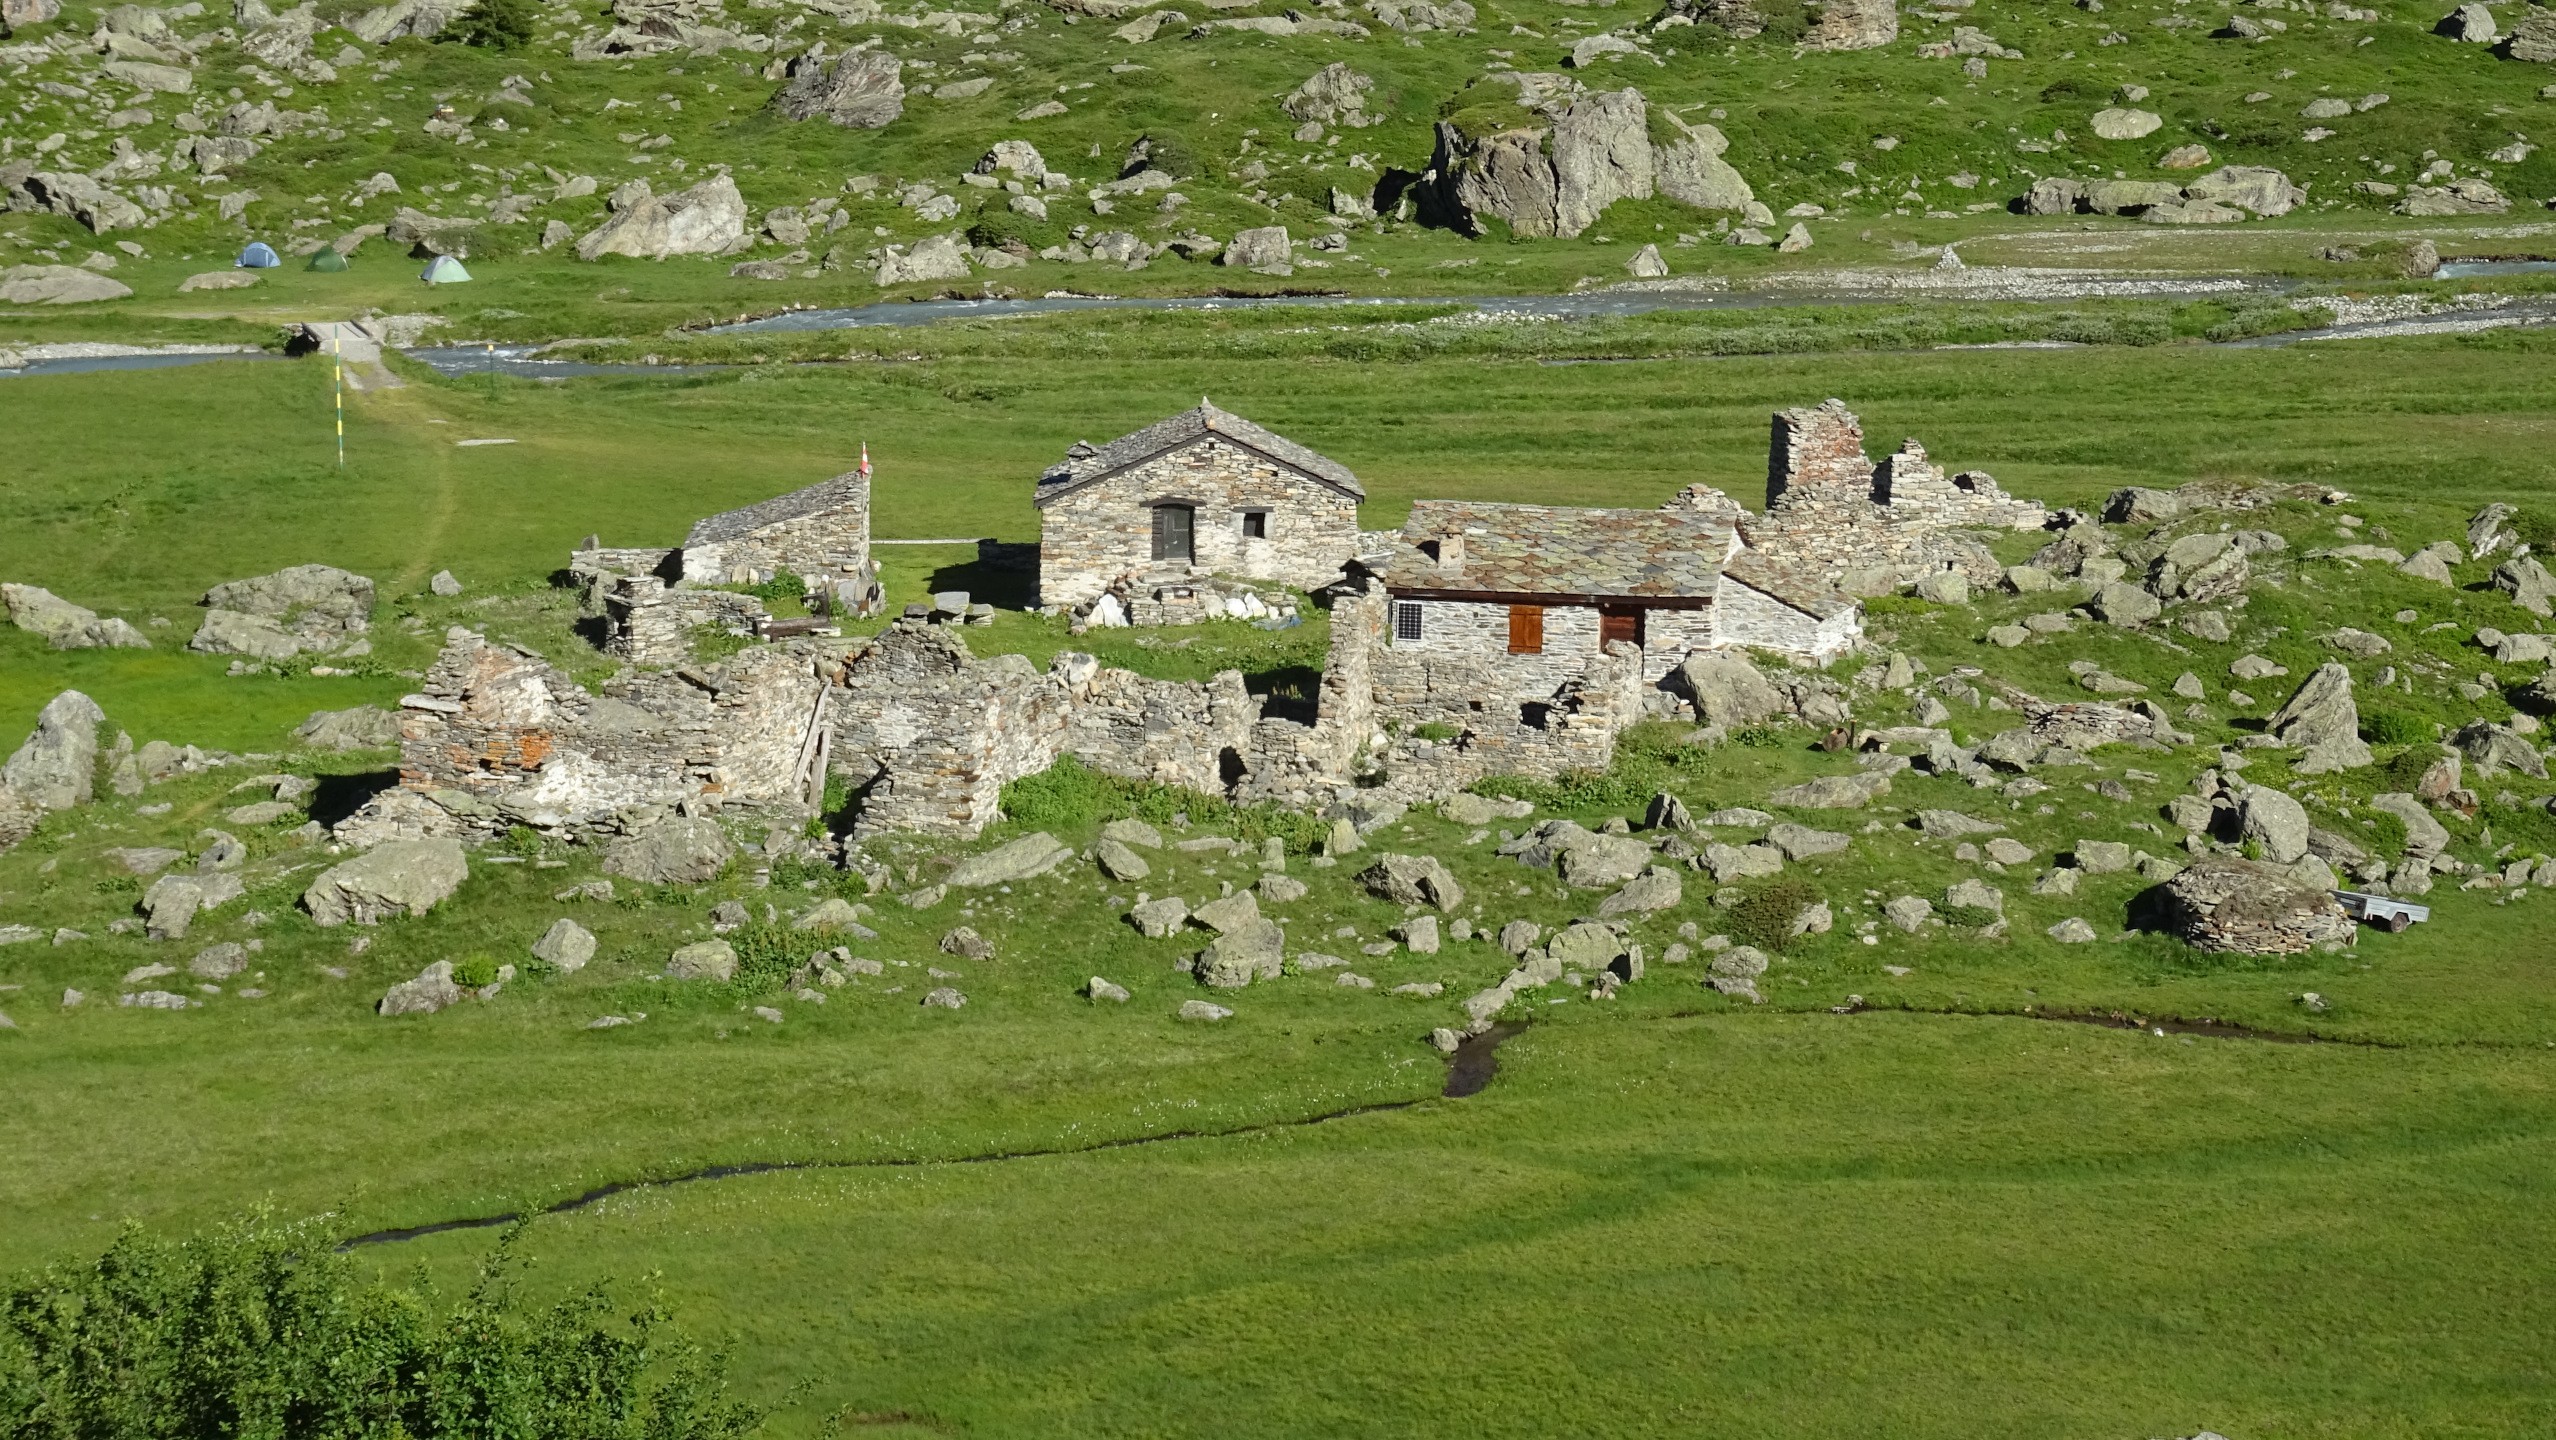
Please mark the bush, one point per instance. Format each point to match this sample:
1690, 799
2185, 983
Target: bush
263, 1329
1969, 917
472, 972
2395, 727
495, 25
1765, 918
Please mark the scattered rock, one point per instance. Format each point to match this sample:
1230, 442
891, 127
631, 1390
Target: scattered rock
2321, 721
1119, 861
678, 850
1133, 832
57, 766
2275, 821
1160, 919
432, 990
1909, 912
396, 877
1415, 880
66, 626
1237, 957
566, 946
943, 997
964, 942
1654, 890
2072, 931
1202, 1010
703, 960
704, 220
1100, 989
1833, 792
861, 90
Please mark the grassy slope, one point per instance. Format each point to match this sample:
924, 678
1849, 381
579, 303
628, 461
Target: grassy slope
2107, 1175
1791, 119
1806, 1226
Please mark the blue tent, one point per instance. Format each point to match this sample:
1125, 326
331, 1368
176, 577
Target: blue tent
258, 256
444, 270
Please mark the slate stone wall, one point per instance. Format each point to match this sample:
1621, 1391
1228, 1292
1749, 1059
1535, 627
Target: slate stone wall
1095, 535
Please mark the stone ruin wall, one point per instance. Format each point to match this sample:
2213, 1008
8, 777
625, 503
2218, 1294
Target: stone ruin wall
1103, 532
1870, 528
496, 736
649, 623
930, 734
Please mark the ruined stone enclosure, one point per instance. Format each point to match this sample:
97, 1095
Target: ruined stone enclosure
1869, 528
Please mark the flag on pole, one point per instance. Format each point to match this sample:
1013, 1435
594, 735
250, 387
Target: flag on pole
865, 459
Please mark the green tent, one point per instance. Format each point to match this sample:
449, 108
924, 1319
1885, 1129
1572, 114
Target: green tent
444, 270
327, 260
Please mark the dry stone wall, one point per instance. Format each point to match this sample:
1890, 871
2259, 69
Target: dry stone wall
1870, 528
649, 623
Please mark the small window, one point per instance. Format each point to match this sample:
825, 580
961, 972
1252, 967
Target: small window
1619, 622
1255, 524
1174, 526
1526, 629
1406, 621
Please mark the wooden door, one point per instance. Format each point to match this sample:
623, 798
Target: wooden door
1619, 622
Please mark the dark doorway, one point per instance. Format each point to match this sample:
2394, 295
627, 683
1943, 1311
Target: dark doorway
1619, 622
1175, 530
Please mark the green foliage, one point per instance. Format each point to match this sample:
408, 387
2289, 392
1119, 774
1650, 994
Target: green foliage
1787, 21
2395, 727
711, 644
495, 24
1070, 796
1758, 737
1436, 731
472, 972
1765, 918
1968, 917
766, 954
2535, 525
524, 842
2271, 317
260, 1328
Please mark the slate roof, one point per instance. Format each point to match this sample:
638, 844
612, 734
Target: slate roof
1563, 550
844, 489
1802, 589
1085, 464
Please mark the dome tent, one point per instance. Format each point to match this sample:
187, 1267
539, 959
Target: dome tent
444, 270
258, 256
326, 260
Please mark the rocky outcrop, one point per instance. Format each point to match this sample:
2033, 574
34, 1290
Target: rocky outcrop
64, 625
1549, 163
1727, 690
864, 90
2533, 36
2322, 721
704, 220
402, 877
316, 609
1413, 880
58, 285
2229, 193
434, 989
360, 727
1853, 25
2220, 902
407, 19
57, 766
67, 193
1332, 95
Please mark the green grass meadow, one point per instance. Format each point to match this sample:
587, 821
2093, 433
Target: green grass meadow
1952, 1212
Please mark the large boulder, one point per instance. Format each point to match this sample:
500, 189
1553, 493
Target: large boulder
434, 989
2322, 721
58, 285
1413, 880
1833, 792
15, 13
2275, 821
678, 850
2528, 583
566, 946
2533, 36
1727, 690
937, 257
57, 767
64, 625
2499, 747
1029, 856
72, 194
398, 877
1256, 950
1549, 175
2260, 189
864, 90
1689, 167
1267, 249
704, 220
703, 960
318, 609
1332, 95
2220, 902
1853, 25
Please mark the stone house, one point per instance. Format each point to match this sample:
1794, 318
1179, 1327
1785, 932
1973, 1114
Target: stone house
1204, 493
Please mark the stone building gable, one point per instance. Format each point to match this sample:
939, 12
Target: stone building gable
1830, 511
1097, 510
823, 529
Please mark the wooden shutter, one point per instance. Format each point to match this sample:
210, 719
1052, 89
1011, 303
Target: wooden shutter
1526, 629
1620, 622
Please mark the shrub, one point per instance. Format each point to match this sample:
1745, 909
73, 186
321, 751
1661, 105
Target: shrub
262, 1328
1969, 917
523, 841
495, 25
1758, 737
2395, 727
471, 972
1765, 918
